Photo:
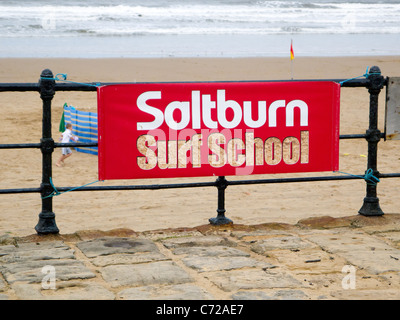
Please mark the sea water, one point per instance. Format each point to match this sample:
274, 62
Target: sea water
198, 28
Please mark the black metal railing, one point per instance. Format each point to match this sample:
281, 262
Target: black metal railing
47, 87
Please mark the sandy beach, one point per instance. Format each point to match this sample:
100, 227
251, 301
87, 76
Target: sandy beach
21, 114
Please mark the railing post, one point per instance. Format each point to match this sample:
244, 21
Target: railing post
371, 206
47, 222
222, 184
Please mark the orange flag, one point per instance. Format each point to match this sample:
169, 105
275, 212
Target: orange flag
291, 51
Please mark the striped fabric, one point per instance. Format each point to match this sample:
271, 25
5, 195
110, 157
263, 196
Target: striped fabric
84, 126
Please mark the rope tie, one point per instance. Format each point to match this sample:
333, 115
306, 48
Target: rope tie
366, 75
57, 193
63, 77
368, 177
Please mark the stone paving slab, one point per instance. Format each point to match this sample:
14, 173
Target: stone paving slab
125, 258
360, 249
161, 273
309, 260
284, 242
289, 294
218, 258
35, 255
214, 251
223, 263
64, 291
170, 292
26, 262
252, 279
197, 241
300, 262
81, 291
107, 246
33, 271
2, 285
392, 237
366, 295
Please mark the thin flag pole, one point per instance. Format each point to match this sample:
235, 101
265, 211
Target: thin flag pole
291, 58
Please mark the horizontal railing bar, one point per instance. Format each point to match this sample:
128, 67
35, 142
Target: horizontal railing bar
357, 136
76, 86
20, 146
72, 86
214, 184
4, 87
288, 180
116, 188
389, 175
206, 184
95, 144
198, 184
20, 190
56, 145
76, 144
352, 136
346, 82
143, 187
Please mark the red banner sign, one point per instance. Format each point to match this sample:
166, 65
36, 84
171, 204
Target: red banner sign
160, 130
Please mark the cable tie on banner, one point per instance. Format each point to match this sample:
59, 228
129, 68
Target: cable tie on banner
57, 193
63, 77
366, 75
368, 176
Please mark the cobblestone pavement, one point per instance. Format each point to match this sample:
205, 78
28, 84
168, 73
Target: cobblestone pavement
318, 258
